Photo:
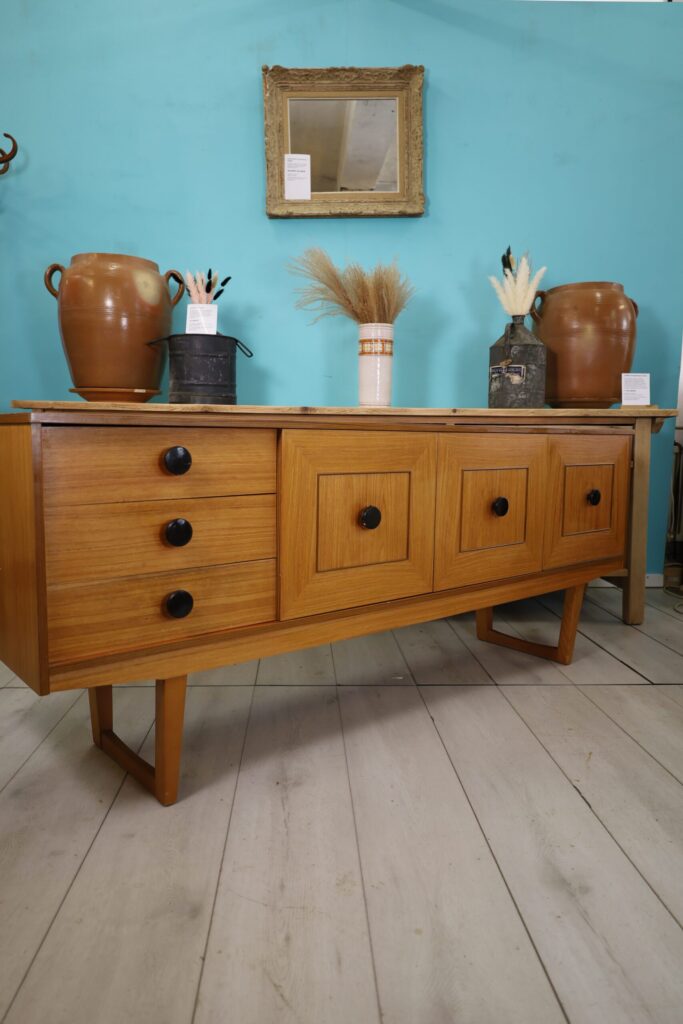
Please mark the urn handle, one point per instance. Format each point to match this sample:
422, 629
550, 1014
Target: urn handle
369, 517
49, 273
500, 507
634, 304
176, 276
535, 312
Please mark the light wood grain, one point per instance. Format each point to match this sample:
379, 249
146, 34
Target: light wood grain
672, 692
650, 716
472, 544
342, 541
658, 598
22, 640
575, 531
591, 665
289, 938
627, 414
128, 538
311, 667
655, 622
119, 615
562, 651
374, 660
639, 803
51, 811
440, 915
504, 666
6, 675
438, 657
305, 457
105, 464
634, 588
205, 652
130, 935
610, 947
648, 657
25, 722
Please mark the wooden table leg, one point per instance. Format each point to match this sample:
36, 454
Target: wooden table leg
633, 599
563, 652
162, 778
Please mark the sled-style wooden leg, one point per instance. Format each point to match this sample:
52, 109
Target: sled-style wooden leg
573, 599
161, 778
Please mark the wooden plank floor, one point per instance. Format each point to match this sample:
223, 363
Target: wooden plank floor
411, 828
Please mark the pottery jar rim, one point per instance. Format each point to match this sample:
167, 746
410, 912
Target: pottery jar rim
593, 285
114, 256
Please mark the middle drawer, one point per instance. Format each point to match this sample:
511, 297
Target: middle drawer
85, 543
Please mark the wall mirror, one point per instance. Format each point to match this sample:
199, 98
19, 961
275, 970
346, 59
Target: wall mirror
343, 142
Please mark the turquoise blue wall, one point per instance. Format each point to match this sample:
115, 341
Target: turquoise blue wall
555, 127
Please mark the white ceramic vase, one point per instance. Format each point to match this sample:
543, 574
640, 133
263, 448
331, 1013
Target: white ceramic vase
375, 359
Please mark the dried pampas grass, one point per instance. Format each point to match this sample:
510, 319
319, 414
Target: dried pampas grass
518, 289
368, 297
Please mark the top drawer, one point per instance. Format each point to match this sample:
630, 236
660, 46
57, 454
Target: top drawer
87, 465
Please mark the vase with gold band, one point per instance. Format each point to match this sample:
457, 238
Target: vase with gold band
375, 359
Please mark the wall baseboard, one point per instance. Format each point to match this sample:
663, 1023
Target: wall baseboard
652, 579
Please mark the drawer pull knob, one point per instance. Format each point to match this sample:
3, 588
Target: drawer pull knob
370, 517
178, 532
500, 507
593, 497
177, 460
179, 604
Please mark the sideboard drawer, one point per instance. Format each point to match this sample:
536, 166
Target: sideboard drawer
90, 465
356, 518
132, 613
137, 537
489, 511
587, 504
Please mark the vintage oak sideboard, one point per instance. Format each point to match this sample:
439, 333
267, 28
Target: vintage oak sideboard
140, 540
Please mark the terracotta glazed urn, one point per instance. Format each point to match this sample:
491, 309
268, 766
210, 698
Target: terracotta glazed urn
589, 330
110, 308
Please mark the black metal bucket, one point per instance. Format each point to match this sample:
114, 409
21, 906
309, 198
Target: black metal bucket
201, 368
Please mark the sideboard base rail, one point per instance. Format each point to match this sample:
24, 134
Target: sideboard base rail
162, 778
562, 653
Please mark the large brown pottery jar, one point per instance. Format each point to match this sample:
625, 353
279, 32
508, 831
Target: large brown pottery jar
110, 307
589, 330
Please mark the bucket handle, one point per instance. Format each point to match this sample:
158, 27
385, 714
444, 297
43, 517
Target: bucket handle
243, 348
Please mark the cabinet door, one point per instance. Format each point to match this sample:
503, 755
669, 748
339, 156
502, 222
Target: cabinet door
489, 514
587, 507
356, 518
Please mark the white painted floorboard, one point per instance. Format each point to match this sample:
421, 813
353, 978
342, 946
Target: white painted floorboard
516, 858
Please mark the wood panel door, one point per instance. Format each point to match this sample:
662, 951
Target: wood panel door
356, 518
587, 502
489, 512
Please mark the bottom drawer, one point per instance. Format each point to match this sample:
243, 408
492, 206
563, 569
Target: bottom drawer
129, 614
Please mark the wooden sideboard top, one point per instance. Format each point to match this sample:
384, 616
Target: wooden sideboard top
284, 415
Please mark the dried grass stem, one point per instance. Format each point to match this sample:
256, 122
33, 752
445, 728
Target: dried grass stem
375, 296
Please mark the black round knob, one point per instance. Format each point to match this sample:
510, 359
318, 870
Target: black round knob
593, 497
178, 532
179, 604
370, 517
177, 460
500, 506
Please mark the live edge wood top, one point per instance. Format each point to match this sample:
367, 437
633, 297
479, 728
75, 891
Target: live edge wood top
103, 412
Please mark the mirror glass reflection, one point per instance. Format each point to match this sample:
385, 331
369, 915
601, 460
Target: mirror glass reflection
352, 143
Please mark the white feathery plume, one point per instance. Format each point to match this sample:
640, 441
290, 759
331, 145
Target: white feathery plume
517, 291
191, 286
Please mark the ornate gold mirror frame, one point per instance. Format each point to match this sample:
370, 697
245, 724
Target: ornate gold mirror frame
404, 84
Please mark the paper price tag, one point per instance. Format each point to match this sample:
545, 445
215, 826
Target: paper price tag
297, 176
201, 319
635, 389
